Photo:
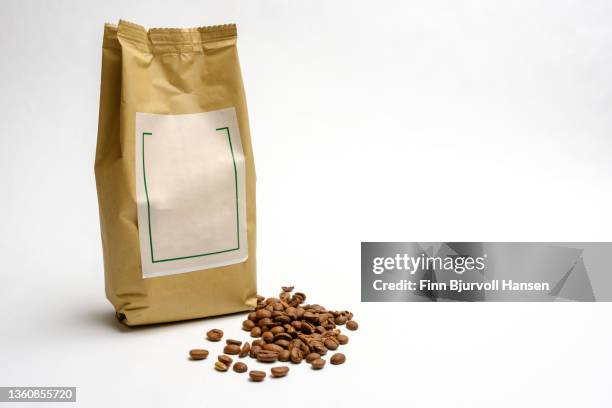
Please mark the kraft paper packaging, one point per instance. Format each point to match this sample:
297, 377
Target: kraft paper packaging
175, 174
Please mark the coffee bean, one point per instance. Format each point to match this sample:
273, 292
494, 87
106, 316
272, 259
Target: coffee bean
331, 343
312, 356
214, 335
279, 371
340, 320
256, 332
254, 351
287, 288
232, 341
337, 358
342, 339
282, 342
307, 328
282, 319
284, 355
318, 364
219, 366
282, 336
311, 317
268, 337
231, 349
244, 351
352, 325
198, 354
296, 355
258, 342
257, 376
273, 347
263, 313
227, 360
266, 356
265, 323
240, 367
248, 325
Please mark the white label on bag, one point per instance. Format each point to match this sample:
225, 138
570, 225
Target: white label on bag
190, 192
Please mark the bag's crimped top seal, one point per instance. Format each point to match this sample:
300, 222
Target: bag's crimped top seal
170, 40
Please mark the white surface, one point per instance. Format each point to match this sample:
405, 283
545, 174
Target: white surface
427, 121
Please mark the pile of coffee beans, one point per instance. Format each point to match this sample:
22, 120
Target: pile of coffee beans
286, 330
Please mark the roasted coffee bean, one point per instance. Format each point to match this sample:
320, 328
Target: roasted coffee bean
256, 332
262, 313
214, 335
231, 349
311, 317
198, 354
277, 330
340, 320
219, 366
268, 337
273, 347
232, 341
337, 358
244, 351
282, 342
287, 288
252, 316
258, 342
317, 364
282, 319
265, 322
240, 367
307, 328
331, 343
312, 356
352, 325
260, 298
257, 376
284, 355
296, 355
266, 356
279, 371
248, 325
254, 351
227, 360
342, 339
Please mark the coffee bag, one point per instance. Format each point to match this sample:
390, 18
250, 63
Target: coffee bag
175, 174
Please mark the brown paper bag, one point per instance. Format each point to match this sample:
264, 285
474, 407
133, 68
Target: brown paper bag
175, 174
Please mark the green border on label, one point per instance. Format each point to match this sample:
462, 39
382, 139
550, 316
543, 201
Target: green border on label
144, 175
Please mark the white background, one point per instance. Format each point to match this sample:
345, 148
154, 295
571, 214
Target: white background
407, 121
